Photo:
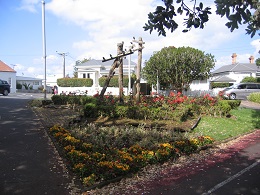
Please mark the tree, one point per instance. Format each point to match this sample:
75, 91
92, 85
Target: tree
257, 61
238, 12
178, 67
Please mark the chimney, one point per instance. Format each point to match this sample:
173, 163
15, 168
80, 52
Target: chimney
234, 58
251, 59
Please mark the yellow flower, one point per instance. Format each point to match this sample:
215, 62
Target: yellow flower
166, 145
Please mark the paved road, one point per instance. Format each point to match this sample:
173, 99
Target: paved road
235, 170
29, 163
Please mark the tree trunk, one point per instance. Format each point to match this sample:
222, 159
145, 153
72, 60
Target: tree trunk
110, 75
120, 72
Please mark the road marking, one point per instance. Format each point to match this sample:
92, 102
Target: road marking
232, 178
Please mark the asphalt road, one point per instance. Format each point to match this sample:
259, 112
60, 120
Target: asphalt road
232, 171
29, 163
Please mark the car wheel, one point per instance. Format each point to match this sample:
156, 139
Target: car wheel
5, 93
232, 96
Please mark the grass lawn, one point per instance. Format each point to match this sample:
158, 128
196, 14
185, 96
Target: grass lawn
242, 120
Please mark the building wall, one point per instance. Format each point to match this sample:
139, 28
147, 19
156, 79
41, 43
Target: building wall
34, 84
10, 77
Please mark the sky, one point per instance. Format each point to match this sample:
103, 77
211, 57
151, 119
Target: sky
86, 29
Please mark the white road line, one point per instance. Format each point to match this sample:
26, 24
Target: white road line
232, 178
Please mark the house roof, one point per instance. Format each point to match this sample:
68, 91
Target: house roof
224, 79
100, 63
238, 67
5, 68
20, 78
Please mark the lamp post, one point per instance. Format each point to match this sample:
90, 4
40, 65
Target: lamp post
44, 45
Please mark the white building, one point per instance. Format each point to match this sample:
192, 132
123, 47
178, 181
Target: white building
32, 83
8, 74
232, 73
94, 69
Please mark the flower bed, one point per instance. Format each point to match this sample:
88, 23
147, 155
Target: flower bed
95, 163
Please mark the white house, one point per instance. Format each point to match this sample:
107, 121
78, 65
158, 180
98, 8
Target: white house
235, 72
232, 73
94, 69
8, 74
32, 83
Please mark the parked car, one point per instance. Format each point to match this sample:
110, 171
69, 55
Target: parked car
241, 90
4, 87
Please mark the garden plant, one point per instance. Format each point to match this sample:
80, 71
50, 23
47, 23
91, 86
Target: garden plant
98, 153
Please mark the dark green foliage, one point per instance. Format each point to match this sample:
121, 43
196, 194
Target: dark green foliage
234, 104
87, 99
74, 82
254, 97
237, 12
177, 67
90, 110
249, 80
220, 85
223, 108
19, 86
60, 99
114, 81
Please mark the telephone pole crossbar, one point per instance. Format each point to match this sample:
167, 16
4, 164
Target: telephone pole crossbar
118, 56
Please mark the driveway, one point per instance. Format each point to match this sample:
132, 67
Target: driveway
29, 162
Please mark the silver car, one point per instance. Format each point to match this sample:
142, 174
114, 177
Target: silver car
241, 90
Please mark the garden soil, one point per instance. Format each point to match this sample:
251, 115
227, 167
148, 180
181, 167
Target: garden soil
141, 182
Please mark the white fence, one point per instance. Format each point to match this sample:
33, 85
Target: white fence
90, 90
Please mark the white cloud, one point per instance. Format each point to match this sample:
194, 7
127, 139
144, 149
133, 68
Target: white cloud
29, 5
256, 45
107, 23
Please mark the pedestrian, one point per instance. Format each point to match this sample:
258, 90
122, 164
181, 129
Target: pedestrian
55, 90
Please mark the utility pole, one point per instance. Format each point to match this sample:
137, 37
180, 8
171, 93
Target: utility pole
139, 64
44, 46
63, 55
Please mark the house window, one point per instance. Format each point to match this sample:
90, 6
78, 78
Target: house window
84, 75
88, 75
36, 82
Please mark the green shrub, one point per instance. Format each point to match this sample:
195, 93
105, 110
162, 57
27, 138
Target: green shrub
75, 99
90, 110
87, 99
254, 97
60, 99
234, 103
219, 85
19, 86
223, 108
74, 82
114, 81
121, 111
106, 111
249, 80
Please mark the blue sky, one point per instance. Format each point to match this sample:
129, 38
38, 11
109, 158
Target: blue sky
92, 29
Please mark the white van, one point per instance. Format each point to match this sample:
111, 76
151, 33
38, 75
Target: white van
241, 90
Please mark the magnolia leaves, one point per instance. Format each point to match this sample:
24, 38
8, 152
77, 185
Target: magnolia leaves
238, 12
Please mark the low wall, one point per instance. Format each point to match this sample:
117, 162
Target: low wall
90, 90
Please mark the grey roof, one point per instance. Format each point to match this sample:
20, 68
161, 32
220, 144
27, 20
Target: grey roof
20, 78
107, 63
223, 79
238, 67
